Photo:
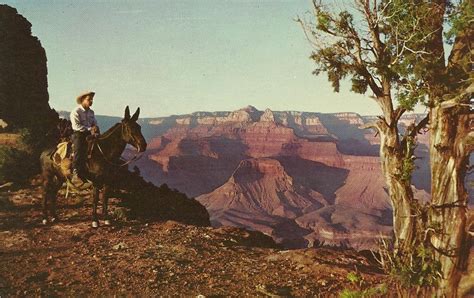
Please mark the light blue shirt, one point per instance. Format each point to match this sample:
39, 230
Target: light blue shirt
82, 119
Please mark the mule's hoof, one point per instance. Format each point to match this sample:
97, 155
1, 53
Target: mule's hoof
108, 222
95, 224
44, 221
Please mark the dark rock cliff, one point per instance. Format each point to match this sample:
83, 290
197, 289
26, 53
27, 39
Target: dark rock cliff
23, 74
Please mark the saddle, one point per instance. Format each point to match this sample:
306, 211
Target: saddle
63, 155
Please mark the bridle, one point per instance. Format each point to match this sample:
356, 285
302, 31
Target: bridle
137, 155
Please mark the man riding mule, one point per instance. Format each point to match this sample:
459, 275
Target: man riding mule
101, 163
84, 124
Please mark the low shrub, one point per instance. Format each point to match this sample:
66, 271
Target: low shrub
16, 165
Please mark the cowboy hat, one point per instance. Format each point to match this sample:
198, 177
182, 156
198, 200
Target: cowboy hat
83, 95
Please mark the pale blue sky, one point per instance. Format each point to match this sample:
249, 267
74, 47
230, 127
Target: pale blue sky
180, 56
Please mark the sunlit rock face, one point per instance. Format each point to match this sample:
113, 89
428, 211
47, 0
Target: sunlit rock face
301, 177
23, 79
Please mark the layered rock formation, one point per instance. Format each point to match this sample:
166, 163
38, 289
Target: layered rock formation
262, 187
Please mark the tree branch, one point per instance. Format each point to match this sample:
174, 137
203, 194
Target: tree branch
417, 128
413, 130
374, 124
398, 114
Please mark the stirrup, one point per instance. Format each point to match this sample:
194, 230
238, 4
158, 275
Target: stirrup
76, 188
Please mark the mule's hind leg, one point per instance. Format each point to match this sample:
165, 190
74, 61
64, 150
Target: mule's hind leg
95, 219
53, 199
105, 203
50, 190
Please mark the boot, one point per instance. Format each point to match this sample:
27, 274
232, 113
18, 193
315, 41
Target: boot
77, 178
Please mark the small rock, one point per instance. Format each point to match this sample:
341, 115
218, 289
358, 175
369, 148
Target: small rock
120, 246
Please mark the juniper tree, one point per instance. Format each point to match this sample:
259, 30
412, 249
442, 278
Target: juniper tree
427, 30
354, 44
395, 49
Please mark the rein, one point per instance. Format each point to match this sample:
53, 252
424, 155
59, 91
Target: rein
137, 156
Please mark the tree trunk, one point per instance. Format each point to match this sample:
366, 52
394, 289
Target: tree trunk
393, 157
449, 156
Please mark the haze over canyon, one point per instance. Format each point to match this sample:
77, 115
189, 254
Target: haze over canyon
304, 178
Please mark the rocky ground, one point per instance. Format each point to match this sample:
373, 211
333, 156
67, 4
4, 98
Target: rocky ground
158, 258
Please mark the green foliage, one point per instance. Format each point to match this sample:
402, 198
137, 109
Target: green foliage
417, 267
408, 165
408, 100
358, 281
359, 85
19, 163
120, 214
377, 291
16, 165
407, 169
422, 270
354, 278
406, 52
29, 138
409, 38
342, 50
323, 20
459, 17
415, 30
38, 138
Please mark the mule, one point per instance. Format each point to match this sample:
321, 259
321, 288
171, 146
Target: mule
102, 165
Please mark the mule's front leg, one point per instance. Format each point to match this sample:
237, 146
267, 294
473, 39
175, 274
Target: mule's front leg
105, 203
95, 219
53, 200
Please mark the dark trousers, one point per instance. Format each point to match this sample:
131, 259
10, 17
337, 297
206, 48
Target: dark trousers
80, 150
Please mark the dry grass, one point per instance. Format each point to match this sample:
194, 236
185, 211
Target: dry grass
10, 139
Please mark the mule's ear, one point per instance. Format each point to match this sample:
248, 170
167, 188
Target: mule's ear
127, 114
135, 116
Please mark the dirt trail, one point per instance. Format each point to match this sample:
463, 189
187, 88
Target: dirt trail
161, 258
